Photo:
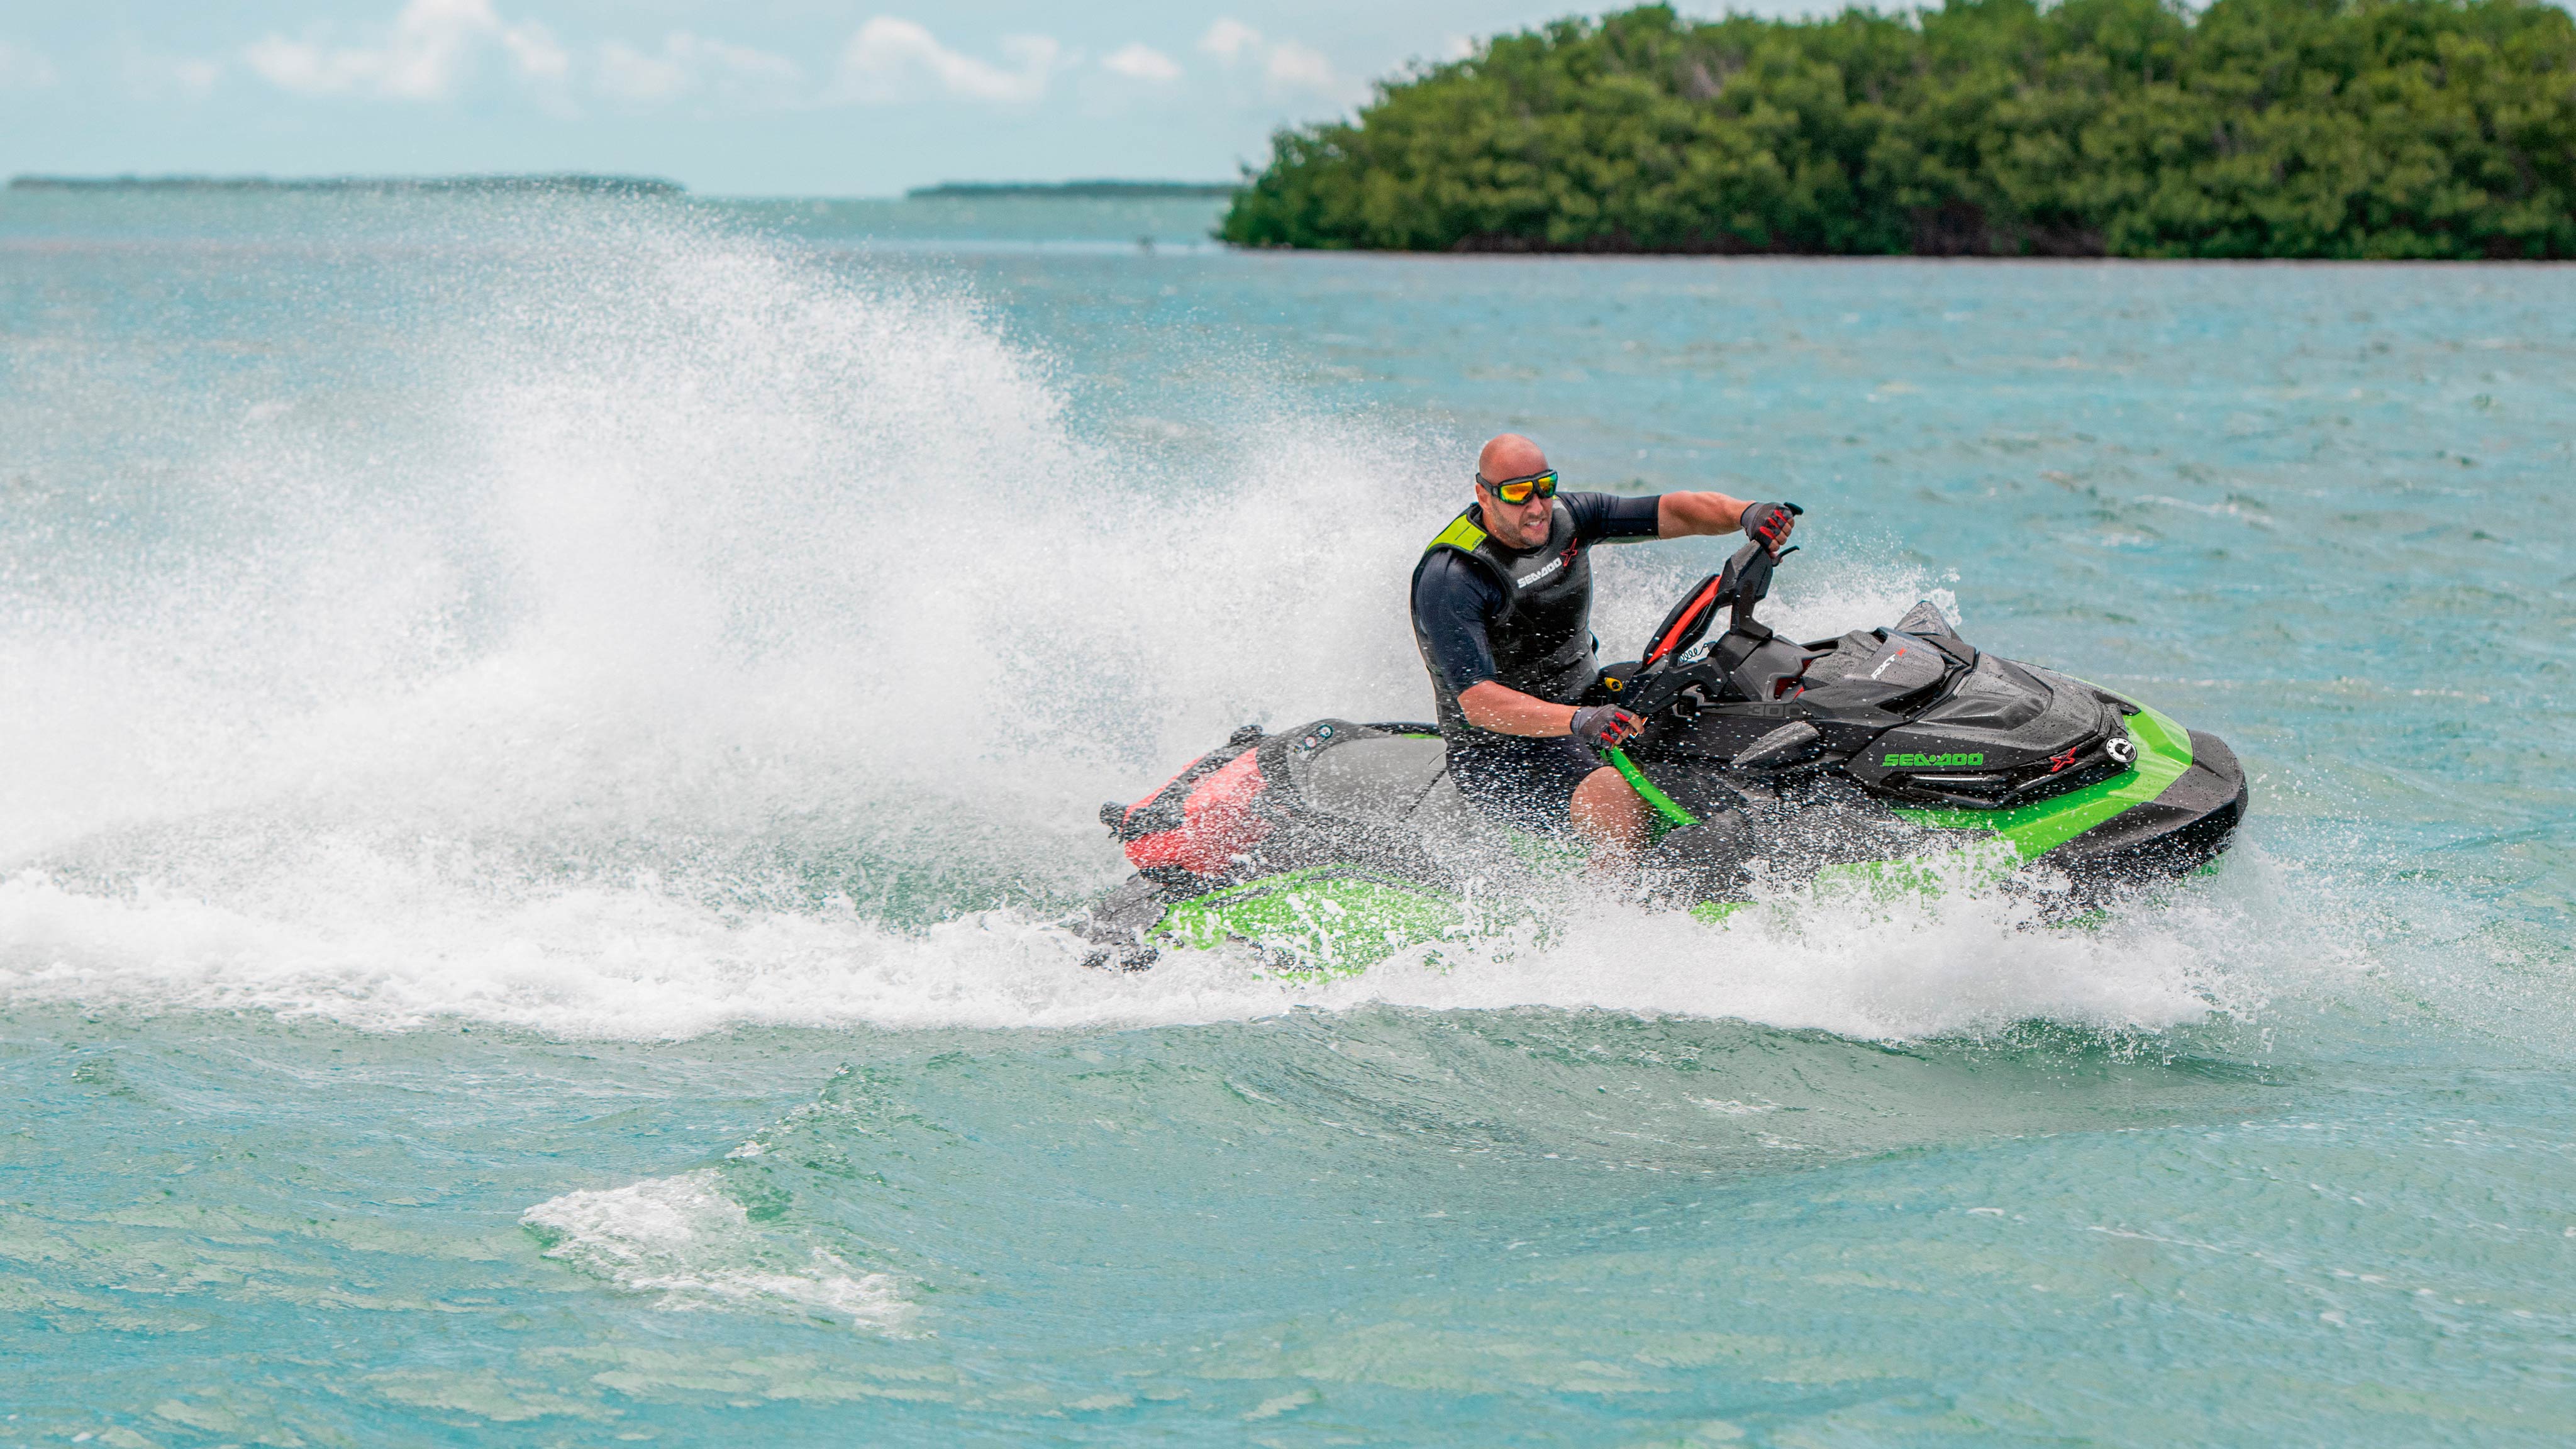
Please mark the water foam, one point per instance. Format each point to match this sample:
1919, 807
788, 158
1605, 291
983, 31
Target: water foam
639, 963
724, 640
681, 1239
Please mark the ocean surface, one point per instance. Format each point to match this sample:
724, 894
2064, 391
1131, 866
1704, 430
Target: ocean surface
544, 743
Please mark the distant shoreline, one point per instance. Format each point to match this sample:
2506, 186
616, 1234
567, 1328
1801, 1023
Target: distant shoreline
1073, 189
574, 182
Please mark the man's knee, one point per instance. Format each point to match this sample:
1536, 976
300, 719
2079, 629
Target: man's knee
1606, 804
1604, 785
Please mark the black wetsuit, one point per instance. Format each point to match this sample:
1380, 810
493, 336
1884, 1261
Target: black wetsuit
1523, 619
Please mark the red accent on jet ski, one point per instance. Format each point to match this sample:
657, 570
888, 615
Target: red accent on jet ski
1682, 624
1128, 821
1219, 821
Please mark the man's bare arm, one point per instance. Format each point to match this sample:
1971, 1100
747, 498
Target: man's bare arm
1682, 515
1507, 711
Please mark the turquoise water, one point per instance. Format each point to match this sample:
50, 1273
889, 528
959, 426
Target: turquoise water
548, 740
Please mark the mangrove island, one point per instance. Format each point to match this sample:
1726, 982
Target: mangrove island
2249, 128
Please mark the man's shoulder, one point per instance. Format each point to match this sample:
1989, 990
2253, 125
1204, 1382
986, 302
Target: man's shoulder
1596, 502
1465, 532
1448, 565
1612, 514
1447, 574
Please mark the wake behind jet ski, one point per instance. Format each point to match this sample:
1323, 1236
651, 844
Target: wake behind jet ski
1337, 843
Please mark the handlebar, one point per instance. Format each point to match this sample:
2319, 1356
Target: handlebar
1745, 582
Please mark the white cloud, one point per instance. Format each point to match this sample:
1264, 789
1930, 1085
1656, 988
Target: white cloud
533, 50
1297, 67
1139, 61
432, 46
1228, 39
889, 58
688, 63
1287, 65
24, 70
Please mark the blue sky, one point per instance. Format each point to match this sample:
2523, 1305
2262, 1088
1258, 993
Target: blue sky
752, 97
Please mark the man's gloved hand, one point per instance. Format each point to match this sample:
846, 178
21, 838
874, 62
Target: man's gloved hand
1605, 726
1768, 524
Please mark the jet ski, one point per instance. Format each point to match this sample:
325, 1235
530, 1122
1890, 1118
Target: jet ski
1885, 756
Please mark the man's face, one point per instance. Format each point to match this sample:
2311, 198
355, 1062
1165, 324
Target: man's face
1516, 525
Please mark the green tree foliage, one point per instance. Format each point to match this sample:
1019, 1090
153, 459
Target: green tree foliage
2253, 128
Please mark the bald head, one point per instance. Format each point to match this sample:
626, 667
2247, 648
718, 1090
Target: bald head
1515, 525
1510, 456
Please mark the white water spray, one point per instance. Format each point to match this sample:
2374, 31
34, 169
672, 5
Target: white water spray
713, 638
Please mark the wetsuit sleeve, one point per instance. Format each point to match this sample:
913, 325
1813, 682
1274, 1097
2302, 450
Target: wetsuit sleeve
1611, 517
1452, 605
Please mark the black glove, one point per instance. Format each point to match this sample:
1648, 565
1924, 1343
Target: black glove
1768, 524
1605, 726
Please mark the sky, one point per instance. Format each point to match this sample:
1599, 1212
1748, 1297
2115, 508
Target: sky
728, 97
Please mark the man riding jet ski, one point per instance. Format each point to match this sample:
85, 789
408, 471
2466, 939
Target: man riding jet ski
1893, 758
1502, 612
